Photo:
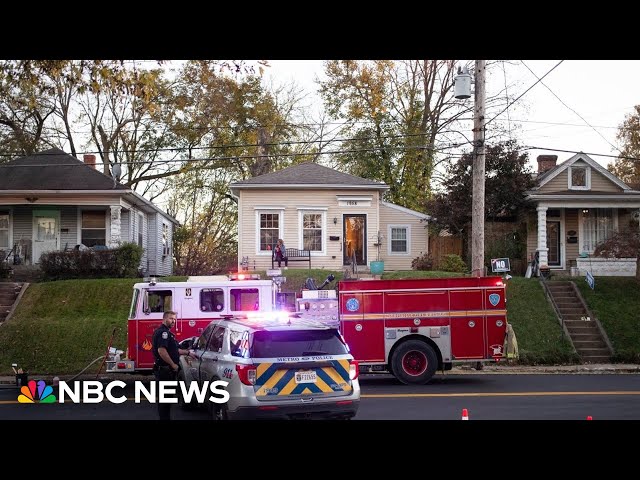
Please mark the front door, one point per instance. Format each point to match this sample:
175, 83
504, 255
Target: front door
355, 239
553, 243
46, 233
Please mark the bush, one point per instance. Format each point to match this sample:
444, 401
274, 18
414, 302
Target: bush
620, 245
113, 263
422, 262
453, 263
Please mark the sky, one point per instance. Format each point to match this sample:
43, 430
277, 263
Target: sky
581, 110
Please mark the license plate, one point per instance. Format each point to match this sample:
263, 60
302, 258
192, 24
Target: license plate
306, 377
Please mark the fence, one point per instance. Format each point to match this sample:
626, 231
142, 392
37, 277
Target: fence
441, 246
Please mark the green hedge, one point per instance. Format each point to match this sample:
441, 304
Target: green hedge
120, 262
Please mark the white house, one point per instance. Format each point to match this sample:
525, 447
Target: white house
336, 216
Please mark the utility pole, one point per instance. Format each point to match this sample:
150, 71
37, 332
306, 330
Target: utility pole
477, 211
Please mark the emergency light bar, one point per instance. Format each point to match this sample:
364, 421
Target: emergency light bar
244, 276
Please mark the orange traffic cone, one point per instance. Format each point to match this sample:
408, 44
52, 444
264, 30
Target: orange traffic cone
589, 417
465, 414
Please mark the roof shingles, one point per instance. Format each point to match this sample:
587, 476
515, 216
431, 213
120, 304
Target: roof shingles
53, 170
308, 173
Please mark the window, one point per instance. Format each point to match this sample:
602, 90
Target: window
269, 230
399, 239
134, 303
140, 227
579, 178
312, 232
239, 343
244, 299
94, 231
211, 299
159, 301
597, 226
165, 240
202, 340
4, 231
269, 344
215, 341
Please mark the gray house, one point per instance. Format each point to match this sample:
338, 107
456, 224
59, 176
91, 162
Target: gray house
52, 201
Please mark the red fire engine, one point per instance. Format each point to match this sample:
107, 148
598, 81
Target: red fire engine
197, 302
410, 328
413, 327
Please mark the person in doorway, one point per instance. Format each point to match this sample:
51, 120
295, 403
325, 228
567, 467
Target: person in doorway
281, 254
167, 357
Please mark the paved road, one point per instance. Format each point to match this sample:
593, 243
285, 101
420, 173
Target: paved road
486, 396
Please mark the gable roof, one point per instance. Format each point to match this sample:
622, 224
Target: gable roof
549, 175
53, 169
423, 216
56, 171
306, 175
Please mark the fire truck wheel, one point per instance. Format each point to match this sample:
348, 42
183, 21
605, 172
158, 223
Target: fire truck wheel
414, 362
184, 405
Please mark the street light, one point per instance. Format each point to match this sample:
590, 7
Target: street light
462, 90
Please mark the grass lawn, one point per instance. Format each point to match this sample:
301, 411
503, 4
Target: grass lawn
615, 301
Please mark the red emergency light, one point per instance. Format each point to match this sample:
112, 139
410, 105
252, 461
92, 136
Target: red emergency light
244, 276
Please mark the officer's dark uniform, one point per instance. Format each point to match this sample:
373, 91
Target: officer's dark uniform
162, 337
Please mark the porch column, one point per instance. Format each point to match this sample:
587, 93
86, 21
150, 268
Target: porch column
114, 240
542, 236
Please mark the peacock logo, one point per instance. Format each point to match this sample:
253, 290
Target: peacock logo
36, 392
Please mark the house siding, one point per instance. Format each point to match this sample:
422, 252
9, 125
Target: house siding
293, 200
68, 222
125, 226
418, 238
599, 183
164, 261
152, 236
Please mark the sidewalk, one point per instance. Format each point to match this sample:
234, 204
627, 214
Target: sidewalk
590, 369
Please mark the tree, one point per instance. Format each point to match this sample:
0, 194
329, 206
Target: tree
399, 116
627, 166
229, 128
507, 179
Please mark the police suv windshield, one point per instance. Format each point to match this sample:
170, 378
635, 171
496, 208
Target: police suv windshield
297, 343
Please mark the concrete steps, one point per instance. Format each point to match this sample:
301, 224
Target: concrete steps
9, 292
584, 333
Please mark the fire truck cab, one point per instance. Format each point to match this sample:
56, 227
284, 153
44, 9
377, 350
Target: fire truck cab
413, 327
197, 302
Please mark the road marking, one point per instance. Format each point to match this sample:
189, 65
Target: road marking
496, 394
443, 395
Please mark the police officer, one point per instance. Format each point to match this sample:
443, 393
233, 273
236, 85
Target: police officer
167, 357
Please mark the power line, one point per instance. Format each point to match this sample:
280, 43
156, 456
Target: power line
523, 93
560, 100
255, 145
622, 157
234, 157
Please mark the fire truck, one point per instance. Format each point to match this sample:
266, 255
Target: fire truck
410, 328
413, 327
196, 302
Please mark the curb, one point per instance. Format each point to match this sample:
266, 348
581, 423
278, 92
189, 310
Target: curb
594, 369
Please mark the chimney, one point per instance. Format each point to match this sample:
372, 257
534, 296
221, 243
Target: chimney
546, 162
91, 160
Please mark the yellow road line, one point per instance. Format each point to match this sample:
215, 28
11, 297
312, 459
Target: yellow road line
445, 395
496, 394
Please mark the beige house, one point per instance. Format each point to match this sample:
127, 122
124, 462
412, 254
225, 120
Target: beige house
336, 216
579, 204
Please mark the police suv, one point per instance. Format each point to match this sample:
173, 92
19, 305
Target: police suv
277, 366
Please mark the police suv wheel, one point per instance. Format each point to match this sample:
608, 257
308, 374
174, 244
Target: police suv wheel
414, 362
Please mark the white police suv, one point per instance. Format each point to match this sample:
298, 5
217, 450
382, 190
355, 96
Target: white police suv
277, 366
